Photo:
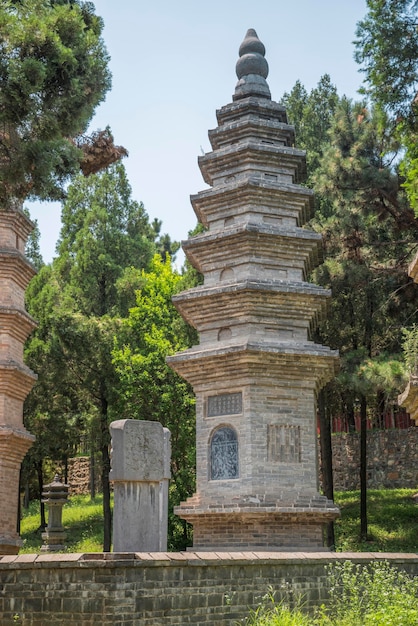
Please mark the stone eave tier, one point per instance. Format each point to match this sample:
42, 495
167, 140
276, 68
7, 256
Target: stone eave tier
249, 156
254, 196
254, 243
260, 107
284, 514
409, 398
15, 266
17, 323
14, 442
252, 362
252, 127
16, 380
250, 300
16, 220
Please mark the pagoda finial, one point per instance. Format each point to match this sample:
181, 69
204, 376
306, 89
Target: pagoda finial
252, 68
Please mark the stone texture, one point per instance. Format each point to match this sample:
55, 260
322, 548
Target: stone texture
392, 459
256, 458
140, 456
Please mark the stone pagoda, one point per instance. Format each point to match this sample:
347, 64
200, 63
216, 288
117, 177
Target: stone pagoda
16, 379
256, 372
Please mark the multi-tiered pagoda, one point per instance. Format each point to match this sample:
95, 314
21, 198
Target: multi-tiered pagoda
256, 372
16, 379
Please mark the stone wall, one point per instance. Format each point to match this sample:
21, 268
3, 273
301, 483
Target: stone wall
392, 459
160, 589
79, 476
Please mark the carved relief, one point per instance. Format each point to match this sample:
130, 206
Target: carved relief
283, 443
224, 404
224, 454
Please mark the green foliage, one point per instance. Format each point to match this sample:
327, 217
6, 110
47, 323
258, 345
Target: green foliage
79, 301
148, 388
272, 612
368, 230
376, 594
104, 232
387, 51
53, 73
410, 349
83, 522
373, 595
311, 114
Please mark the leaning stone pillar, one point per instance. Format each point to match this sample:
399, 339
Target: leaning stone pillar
141, 454
16, 379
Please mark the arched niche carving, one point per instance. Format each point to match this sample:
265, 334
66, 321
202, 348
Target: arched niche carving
223, 454
227, 274
224, 334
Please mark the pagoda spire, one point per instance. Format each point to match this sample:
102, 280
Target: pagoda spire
252, 68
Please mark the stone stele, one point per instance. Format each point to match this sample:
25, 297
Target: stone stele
140, 457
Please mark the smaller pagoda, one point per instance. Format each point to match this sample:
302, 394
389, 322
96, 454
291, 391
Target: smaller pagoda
256, 372
16, 380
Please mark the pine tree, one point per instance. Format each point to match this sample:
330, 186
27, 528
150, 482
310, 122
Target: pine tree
53, 73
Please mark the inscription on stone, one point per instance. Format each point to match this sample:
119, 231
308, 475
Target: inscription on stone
224, 454
283, 443
225, 404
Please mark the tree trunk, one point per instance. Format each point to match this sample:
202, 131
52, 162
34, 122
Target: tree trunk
326, 460
105, 441
40, 475
363, 469
26, 498
351, 420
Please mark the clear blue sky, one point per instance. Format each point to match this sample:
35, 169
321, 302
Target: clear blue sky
173, 65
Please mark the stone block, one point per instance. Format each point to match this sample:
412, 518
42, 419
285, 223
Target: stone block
141, 455
141, 451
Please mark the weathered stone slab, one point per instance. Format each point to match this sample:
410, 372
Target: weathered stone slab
141, 454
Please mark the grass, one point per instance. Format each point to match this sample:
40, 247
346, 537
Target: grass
82, 519
392, 517
392, 521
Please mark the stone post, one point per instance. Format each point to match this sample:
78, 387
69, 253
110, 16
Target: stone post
55, 496
141, 455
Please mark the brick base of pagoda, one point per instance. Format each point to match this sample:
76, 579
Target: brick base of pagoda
267, 526
14, 444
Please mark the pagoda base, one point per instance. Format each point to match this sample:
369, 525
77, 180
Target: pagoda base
266, 527
10, 545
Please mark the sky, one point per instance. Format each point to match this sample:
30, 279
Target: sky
173, 66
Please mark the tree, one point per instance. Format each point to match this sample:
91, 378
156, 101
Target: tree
53, 73
387, 52
105, 238
365, 235
151, 390
312, 114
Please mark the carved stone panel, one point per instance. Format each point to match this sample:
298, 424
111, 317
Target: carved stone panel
224, 454
283, 443
224, 404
